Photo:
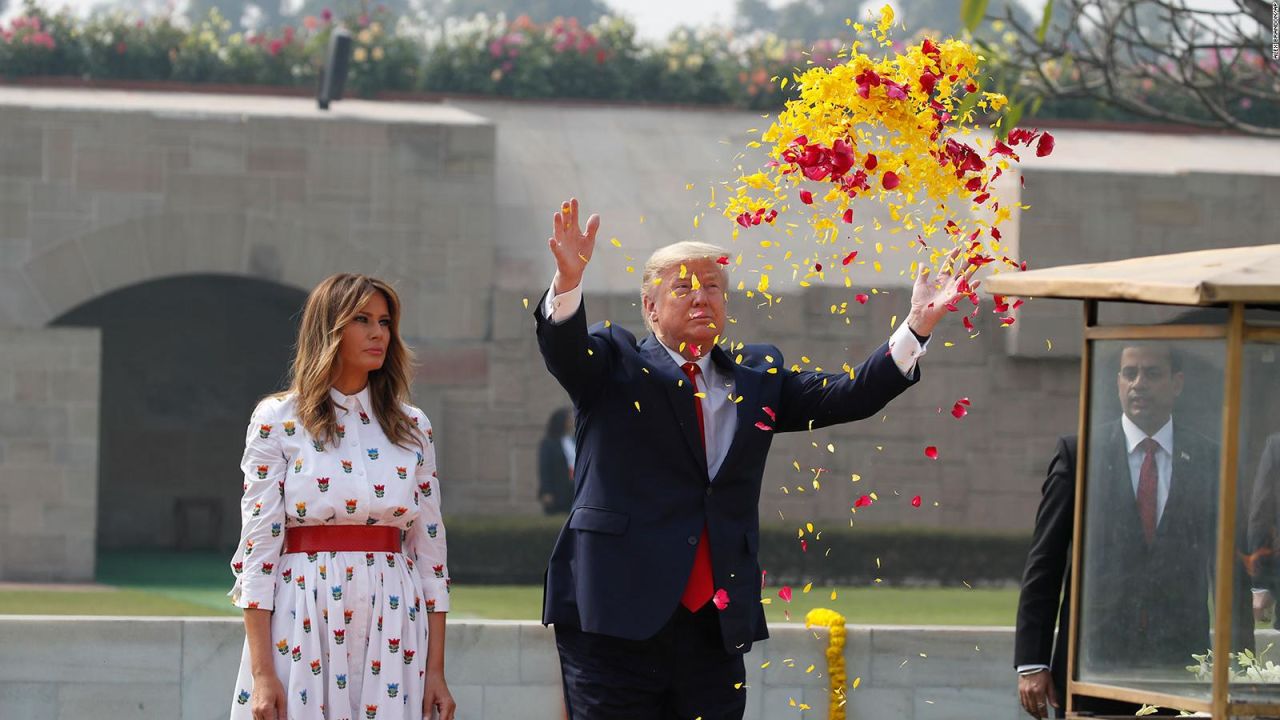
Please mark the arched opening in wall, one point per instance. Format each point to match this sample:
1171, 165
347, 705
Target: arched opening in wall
184, 360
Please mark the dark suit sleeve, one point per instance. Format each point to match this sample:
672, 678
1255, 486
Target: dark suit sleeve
579, 360
812, 400
1042, 579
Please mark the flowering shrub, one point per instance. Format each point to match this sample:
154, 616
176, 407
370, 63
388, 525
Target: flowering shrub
481, 56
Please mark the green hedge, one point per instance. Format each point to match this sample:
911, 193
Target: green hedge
495, 550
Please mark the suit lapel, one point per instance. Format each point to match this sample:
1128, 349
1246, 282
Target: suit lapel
1116, 458
746, 384
1181, 480
679, 393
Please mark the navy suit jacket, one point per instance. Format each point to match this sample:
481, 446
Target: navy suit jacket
641, 488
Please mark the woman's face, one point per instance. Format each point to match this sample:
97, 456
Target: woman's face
364, 340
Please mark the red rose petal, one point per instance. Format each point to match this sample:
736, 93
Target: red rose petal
723, 259
769, 411
1045, 146
785, 593
862, 501
968, 324
764, 427
915, 501
849, 258
817, 267
870, 162
721, 599
806, 197
931, 452
861, 298
890, 180
848, 217
1006, 321
959, 410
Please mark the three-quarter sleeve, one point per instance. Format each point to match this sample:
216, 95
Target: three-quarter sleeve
262, 511
425, 540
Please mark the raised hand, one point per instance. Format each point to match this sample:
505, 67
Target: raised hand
571, 246
933, 298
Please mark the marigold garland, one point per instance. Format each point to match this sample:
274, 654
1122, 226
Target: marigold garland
836, 675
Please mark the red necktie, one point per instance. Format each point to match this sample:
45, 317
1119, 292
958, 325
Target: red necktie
701, 585
1147, 481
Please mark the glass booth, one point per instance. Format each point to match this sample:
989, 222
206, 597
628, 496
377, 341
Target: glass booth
1177, 514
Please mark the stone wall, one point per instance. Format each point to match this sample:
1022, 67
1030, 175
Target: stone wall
102, 191
174, 668
48, 453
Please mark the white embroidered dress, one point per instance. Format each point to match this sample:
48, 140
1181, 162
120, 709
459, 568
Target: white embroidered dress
348, 629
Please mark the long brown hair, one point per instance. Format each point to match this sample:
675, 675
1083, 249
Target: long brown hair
330, 307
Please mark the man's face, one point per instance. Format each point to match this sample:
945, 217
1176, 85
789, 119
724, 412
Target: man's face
1148, 386
688, 306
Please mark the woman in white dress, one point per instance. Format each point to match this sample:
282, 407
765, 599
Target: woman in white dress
341, 567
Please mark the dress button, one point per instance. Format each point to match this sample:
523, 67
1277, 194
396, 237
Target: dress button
693, 539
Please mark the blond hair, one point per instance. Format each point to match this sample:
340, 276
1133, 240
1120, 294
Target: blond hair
330, 307
668, 256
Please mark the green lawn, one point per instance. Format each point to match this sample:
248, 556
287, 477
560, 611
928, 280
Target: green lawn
144, 583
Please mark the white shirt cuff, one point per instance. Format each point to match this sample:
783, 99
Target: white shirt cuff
906, 350
559, 308
1028, 669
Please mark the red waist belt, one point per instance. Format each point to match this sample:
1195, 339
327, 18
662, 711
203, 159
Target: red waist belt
342, 538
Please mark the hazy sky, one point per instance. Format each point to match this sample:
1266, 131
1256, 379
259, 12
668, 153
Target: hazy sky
655, 18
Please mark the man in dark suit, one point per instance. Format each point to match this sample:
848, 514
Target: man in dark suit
1150, 556
555, 463
1041, 662
654, 585
1263, 558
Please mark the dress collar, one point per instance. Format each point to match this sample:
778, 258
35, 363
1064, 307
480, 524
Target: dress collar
358, 402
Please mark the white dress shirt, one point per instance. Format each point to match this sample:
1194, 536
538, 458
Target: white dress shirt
1133, 436
719, 412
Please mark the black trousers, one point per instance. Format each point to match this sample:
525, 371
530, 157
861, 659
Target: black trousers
681, 673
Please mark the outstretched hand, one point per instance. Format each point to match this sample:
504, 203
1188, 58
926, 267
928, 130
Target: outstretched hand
571, 246
932, 298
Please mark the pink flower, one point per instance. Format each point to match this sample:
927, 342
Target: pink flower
276, 46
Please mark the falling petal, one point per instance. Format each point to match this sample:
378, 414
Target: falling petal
1045, 146
850, 257
785, 593
769, 411
806, 197
931, 452
862, 501
915, 501
890, 180
861, 298
721, 599
762, 426
848, 217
